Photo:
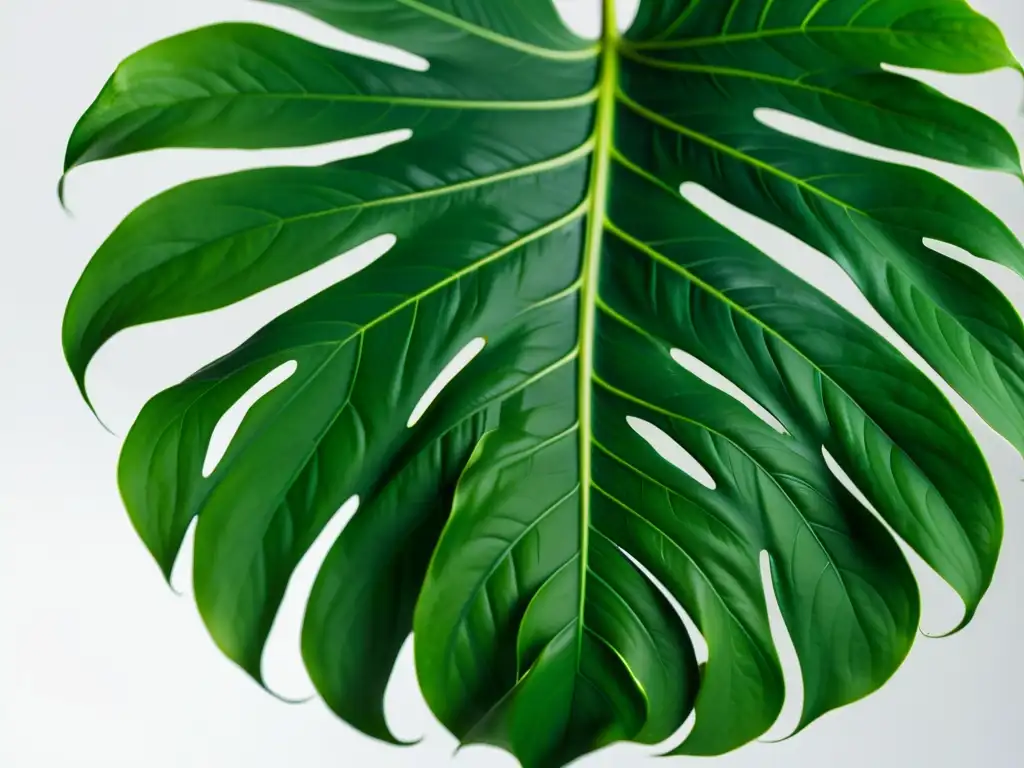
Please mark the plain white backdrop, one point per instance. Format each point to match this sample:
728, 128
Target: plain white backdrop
101, 666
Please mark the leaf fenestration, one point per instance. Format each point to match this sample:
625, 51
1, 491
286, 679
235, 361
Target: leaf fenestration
537, 208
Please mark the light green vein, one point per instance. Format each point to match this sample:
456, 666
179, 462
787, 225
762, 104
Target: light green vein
515, 245
700, 42
537, 168
505, 553
763, 18
765, 653
730, 16
818, 6
341, 344
739, 309
732, 152
505, 41
672, 415
536, 105
678, 21
746, 74
710, 69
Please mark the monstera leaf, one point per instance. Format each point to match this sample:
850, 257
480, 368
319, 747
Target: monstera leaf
527, 530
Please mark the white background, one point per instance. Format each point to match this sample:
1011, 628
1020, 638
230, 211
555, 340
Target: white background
101, 666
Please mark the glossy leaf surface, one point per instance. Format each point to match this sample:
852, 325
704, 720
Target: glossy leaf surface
524, 530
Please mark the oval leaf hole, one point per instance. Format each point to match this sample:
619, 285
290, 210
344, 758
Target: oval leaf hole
450, 371
941, 606
709, 375
229, 424
283, 669
671, 451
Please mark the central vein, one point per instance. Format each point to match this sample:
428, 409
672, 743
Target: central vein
603, 138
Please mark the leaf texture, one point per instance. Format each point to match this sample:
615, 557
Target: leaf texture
523, 531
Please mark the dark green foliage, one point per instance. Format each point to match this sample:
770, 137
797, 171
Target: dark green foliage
537, 206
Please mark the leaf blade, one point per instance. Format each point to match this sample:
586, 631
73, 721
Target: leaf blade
537, 208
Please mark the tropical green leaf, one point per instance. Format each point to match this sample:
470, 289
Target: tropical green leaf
527, 530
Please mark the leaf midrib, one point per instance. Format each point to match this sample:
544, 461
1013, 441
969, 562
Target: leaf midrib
604, 136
